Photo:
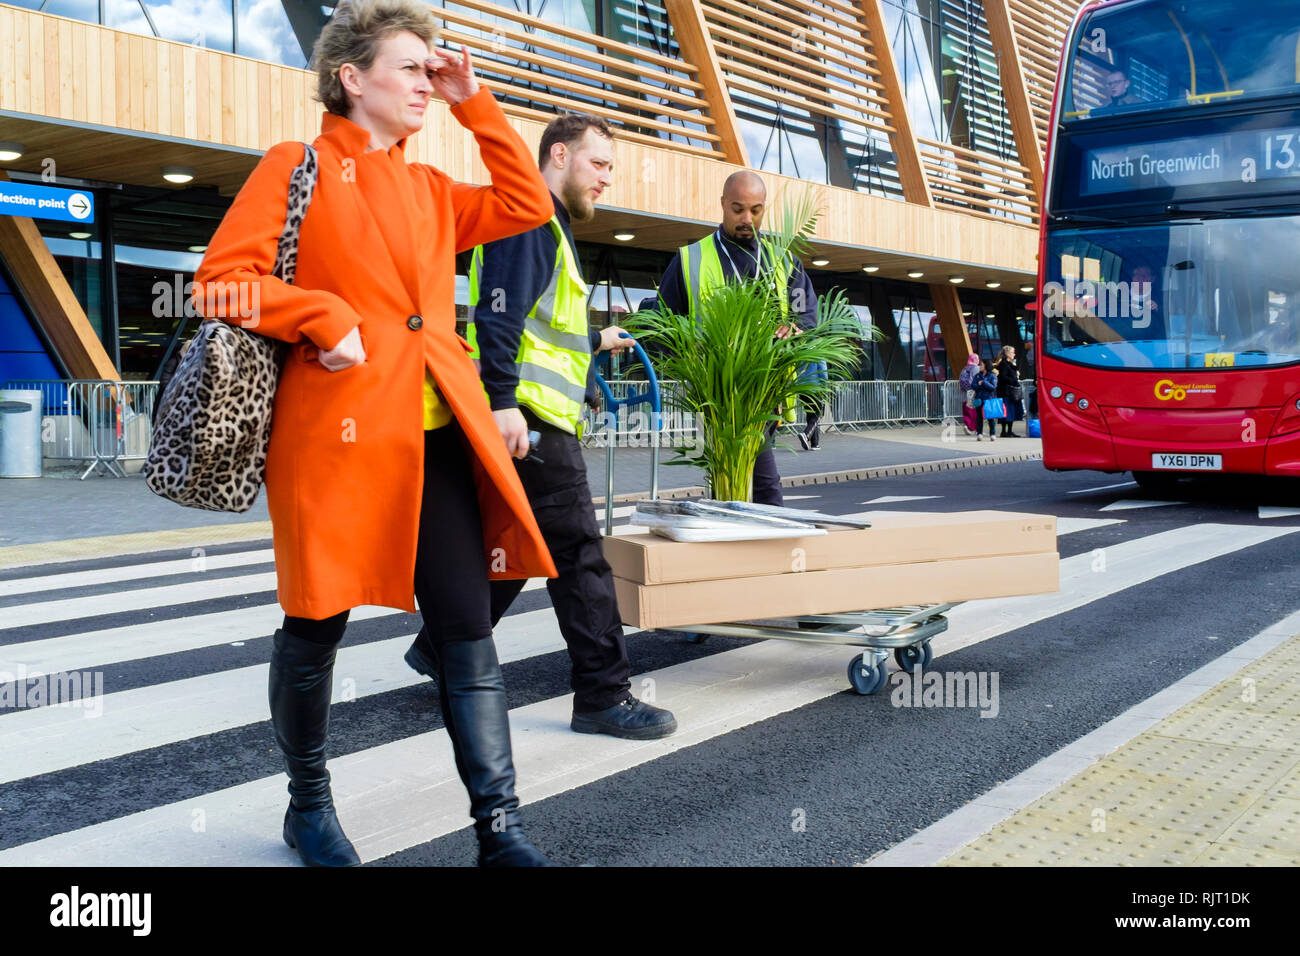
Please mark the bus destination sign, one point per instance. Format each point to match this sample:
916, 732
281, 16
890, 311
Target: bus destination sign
1227, 159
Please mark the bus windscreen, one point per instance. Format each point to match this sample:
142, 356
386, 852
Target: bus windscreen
1136, 58
1175, 295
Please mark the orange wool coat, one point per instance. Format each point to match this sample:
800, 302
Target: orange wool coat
346, 464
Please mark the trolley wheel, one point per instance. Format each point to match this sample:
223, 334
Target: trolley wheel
909, 658
866, 677
694, 637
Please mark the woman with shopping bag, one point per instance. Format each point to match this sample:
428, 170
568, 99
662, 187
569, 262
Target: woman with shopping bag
989, 406
386, 476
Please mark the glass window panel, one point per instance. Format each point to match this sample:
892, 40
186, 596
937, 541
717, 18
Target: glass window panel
87, 10
206, 23
126, 15
265, 33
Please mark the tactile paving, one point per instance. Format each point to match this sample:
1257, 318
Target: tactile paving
1216, 783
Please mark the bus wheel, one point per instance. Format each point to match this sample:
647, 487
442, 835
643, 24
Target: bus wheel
1155, 482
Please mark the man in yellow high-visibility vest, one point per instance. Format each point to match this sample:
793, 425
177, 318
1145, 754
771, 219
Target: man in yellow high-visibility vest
732, 250
528, 326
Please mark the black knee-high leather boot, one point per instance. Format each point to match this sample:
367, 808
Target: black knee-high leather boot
300, 684
473, 697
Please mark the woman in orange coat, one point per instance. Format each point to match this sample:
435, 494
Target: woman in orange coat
387, 478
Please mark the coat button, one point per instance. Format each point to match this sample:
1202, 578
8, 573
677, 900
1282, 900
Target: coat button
414, 323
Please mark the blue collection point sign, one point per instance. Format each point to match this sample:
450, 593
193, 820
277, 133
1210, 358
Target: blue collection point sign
46, 202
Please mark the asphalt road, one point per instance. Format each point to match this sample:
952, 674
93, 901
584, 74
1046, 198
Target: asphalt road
834, 778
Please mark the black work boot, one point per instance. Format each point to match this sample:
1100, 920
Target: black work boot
299, 686
630, 718
473, 697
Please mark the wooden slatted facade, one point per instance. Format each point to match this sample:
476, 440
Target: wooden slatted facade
115, 106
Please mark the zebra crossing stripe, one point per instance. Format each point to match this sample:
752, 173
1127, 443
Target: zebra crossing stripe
167, 713
134, 572
407, 792
45, 739
69, 609
1089, 577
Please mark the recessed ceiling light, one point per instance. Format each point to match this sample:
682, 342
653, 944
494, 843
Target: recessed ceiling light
956, 280
78, 235
965, 313
915, 274
177, 174
821, 261
1026, 288
993, 284
625, 236
198, 248
989, 315
871, 268
10, 151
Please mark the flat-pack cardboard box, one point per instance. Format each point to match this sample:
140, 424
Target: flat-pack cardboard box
843, 589
892, 539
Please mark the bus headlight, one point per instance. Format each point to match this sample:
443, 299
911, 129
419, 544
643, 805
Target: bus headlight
1056, 393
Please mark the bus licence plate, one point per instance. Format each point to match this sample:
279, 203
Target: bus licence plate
1186, 462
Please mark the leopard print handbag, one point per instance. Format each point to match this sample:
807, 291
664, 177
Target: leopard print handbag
213, 425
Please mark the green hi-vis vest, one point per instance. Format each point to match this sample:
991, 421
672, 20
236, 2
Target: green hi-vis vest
702, 272
554, 351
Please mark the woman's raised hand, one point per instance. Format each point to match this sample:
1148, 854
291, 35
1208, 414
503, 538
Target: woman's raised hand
452, 76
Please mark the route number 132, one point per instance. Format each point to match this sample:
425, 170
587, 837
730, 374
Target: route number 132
1285, 154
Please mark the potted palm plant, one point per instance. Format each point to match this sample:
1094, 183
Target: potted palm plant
737, 364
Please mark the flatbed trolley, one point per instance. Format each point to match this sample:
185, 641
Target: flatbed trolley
907, 631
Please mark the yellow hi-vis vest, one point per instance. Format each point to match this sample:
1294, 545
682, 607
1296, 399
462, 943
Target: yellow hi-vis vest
554, 350
702, 272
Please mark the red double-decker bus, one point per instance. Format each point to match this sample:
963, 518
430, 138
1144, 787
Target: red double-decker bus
1169, 264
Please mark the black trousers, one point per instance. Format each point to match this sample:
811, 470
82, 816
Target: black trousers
583, 594
451, 566
767, 480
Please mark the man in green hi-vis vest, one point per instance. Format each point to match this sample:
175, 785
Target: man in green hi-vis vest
528, 327
733, 249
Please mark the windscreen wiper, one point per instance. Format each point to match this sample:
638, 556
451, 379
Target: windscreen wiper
1084, 217
1180, 210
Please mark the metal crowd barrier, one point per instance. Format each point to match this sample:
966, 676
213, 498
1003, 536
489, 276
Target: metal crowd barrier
856, 404
101, 423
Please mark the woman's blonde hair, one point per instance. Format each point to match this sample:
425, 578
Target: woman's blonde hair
353, 36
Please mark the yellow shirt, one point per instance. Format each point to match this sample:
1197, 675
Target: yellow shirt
436, 411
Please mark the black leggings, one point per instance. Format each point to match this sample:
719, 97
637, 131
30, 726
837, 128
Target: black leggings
451, 565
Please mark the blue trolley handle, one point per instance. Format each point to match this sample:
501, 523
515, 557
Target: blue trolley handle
651, 396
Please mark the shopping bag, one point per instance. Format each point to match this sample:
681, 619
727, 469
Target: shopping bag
995, 408
1033, 428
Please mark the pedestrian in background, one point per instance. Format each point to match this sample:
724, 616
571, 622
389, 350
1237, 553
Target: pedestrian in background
387, 478
811, 436
966, 382
1010, 389
986, 387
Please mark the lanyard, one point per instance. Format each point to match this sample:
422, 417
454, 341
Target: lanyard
758, 260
